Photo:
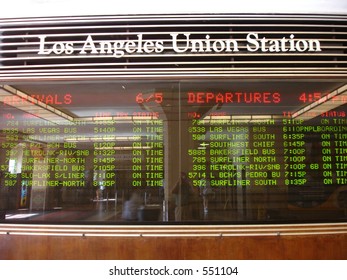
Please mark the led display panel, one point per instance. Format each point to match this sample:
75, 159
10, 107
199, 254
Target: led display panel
202, 151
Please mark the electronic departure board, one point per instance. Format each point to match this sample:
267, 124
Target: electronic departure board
272, 150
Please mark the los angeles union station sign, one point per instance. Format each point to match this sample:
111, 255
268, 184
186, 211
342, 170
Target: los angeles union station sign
177, 43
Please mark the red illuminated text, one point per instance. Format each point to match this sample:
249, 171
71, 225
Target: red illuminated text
233, 97
50, 99
144, 98
316, 96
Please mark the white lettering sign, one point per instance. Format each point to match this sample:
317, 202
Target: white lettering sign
180, 44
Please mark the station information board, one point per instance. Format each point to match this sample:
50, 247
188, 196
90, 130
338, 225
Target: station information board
115, 144
271, 152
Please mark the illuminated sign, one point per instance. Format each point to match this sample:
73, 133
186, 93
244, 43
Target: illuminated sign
233, 97
240, 137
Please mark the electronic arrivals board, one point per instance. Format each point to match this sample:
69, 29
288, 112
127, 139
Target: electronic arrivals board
239, 139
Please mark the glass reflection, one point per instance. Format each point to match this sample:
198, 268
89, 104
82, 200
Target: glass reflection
162, 152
